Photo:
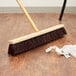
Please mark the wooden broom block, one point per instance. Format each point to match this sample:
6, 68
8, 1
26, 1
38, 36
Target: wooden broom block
20, 39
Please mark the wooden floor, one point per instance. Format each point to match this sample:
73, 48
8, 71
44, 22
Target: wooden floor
36, 62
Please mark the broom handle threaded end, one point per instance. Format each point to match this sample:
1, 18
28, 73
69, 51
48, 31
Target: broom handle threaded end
27, 15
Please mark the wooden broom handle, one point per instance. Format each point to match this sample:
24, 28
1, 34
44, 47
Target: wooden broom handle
27, 15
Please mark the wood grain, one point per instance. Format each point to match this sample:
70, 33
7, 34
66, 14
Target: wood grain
35, 62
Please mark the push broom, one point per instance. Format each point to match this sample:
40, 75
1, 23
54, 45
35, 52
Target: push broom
28, 42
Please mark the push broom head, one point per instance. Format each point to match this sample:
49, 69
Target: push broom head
34, 40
